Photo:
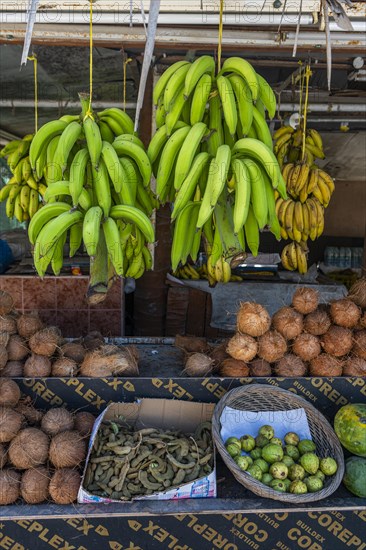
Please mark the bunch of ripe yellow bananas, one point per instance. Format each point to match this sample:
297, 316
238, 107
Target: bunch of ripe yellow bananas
24, 190
302, 216
189, 272
212, 156
98, 193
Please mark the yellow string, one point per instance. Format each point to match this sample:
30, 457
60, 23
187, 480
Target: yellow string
35, 69
125, 63
89, 111
308, 74
221, 28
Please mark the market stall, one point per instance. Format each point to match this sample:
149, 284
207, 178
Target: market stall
182, 301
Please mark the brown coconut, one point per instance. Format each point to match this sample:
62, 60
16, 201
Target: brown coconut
64, 486
34, 485
83, 423
271, 346
10, 424
4, 339
233, 368
9, 487
124, 363
305, 300
95, 366
29, 449
191, 344
354, 366
290, 365
67, 450
345, 313
45, 341
3, 357
74, 351
306, 346
37, 366
6, 302
337, 341
3, 455
93, 340
357, 292
12, 369
252, 319
317, 323
17, 348
260, 367
9, 393
64, 367
56, 421
8, 324
359, 344
326, 365
28, 324
218, 354
242, 347
363, 320
30, 413
288, 322
198, 364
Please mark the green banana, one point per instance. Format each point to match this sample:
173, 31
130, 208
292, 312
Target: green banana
258, 193
253, 148
105, 132
132, 214
228, 103
202, 65
164, 79
76, 238
261, 128
242, 194
252, 232
114, 246
113, 165
189, 184
43, 137
93, 140
91, 229
131, 181
200, 98
65, 144
188, 152
245, 70
173, 86
101, 187
122, 118
138, 155
175, 112
58, 255
184, 232
77, 174
158, 141
168, 156
52, 231
267, 96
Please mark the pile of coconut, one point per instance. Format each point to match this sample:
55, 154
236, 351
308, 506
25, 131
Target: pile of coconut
41, 453
303, 339
29, 349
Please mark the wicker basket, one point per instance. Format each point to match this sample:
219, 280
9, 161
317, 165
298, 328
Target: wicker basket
257, 398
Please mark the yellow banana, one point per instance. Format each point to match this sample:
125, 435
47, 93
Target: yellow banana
328, 180
283, 130
25, 197
302, 265
325, 192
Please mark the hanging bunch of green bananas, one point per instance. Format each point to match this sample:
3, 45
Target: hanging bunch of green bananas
23, 191
212, 156
309, 186
98, 176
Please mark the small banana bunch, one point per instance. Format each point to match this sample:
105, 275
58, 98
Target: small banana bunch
219, 274
23, 191
303, 181
289, 142
98, 176
188, 272
300, 221
221, 182
294, 257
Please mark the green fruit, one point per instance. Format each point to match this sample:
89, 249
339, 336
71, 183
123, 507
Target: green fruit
355, 476
276, 441
291, 438
242, 462
249, 459
298, 488
292, 452
255, 472
287, 483
288, 461
328, 466
320, 475
266, 479
314, 484
233, 441
310, 463
296, 472
272, 453
278, 485
267, 431
233, 450
306, 446
256, 453
247, 443
262, 464
278, 470
261, 441
350, 427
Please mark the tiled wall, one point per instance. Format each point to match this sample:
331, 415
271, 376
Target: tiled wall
61, 301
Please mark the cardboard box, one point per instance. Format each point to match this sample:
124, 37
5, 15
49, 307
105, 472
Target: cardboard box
167, 414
